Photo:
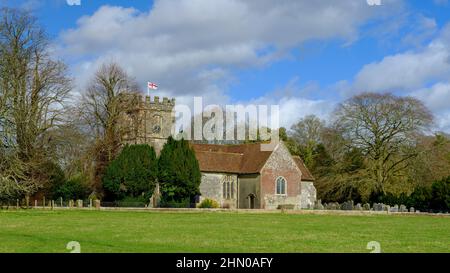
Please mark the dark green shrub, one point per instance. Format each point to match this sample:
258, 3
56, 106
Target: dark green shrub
72, 189
440, 192
420, 199
184, 203
132, 173
178, 172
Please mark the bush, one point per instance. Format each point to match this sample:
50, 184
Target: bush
420, 199
208, 203
178, 172
440, 192
184, 203
73, 189
132, 173
139, 201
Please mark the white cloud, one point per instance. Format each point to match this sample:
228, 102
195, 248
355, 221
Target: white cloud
190, 47
408, 70
423, 73
437, 99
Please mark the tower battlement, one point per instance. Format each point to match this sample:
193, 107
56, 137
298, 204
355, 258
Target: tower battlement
149, 101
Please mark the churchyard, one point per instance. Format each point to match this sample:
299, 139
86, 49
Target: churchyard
38, 230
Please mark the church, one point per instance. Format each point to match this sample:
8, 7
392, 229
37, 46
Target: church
240, 176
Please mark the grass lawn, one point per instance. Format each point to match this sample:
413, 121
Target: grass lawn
133, 231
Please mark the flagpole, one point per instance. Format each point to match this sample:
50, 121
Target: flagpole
148, 90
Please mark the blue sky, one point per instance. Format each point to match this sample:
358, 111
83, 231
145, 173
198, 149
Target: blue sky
306, 56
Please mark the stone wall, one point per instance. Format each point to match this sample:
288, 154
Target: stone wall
212, 187
273, 201
308, 195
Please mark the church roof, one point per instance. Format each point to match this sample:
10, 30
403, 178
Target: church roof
241, 159
306, 174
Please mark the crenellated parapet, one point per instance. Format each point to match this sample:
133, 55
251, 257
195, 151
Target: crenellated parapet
148, 102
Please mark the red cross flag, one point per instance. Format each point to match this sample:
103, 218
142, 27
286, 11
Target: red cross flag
151, 85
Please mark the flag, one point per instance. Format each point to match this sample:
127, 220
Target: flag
151, 85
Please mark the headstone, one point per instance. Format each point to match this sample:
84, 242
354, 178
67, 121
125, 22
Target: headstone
358, 207
366, 206
411, 209
97, 204
403, 208
71, 203
79, 203
318, 205
377, 207
394, 209
386, 208
347, 205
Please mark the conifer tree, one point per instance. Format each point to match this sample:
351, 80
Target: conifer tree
178, 172
133, 173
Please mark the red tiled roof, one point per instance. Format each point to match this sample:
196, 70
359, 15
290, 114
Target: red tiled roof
306, 174
242, 158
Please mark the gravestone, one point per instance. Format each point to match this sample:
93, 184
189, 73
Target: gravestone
386, 208
358, 207
347, 205
97, 203
70, 203
79, 203
318, 205
403, 208
378, 207
394, 209
411, 209
366, 206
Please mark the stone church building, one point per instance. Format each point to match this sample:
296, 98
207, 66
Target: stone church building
236, 176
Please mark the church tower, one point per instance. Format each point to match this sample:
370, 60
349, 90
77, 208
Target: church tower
151, 122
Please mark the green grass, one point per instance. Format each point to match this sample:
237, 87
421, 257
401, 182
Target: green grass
131, 231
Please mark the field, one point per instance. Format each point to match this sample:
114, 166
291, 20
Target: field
134, 231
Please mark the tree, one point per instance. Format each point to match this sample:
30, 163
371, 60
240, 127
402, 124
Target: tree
384, 127
440, 191
307, 132
110, 95
133, 173
178, 171
33, 91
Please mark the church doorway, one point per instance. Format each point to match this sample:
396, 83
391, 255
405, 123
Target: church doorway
251, 200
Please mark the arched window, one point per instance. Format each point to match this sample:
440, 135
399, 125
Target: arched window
281, 185
224, 188
232, 190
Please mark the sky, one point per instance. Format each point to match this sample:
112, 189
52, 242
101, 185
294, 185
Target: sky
305, 56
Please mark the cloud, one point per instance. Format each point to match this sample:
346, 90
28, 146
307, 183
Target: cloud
407, 70
294, 103
437, 98
192, 47
423, 73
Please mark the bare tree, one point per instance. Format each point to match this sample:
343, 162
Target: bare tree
33, 89
308, 133
110, 95
385, 128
